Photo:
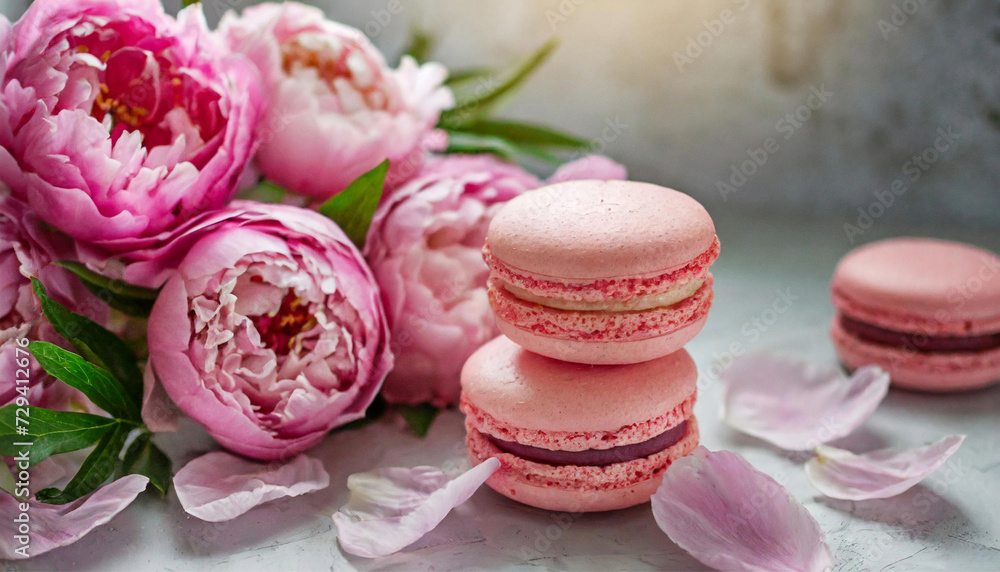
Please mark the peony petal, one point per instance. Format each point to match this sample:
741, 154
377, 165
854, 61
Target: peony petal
877, 475
219, 486
392, 508
589, 167
797, 405
731, 516
158, 412
53, 526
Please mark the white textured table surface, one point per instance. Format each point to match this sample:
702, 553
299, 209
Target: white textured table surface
951, 521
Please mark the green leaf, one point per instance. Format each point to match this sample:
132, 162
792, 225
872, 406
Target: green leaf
96, 344
95, 470
420, 45
419, 417
354, 207
459, 76
7, 480
186, 3
477, 95
143, 457
526, 134
461, 142
95, 382
120, 295
265, 192
50, 432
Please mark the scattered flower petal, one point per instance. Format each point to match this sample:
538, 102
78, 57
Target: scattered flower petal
53, 469
731, 516
53, 526
798, 405
219, 486
880, 474
394, 507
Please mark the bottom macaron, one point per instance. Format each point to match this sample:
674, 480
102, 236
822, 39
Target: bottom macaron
577, 437
912, 368
579, 488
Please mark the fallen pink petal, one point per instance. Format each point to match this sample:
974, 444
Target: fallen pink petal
880, 474
797, 405
393, 507
52, 526
219, 486
730, 516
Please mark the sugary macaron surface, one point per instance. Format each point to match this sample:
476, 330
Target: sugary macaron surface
926, 310
574, 436
601, 271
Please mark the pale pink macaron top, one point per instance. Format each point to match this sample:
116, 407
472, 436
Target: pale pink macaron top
525, 390
916, 283
592, 230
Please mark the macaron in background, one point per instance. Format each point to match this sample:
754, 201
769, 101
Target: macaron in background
925, 310
601, 272
575, 437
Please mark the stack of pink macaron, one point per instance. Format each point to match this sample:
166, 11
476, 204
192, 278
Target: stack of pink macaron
588, 396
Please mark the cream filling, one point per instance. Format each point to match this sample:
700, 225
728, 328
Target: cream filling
633, 304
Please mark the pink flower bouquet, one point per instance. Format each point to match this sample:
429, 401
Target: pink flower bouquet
136, 288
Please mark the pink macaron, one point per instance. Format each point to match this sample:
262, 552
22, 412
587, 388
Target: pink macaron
601, 272
574, 437
925, 310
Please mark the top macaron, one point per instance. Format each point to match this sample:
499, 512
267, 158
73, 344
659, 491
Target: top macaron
601, 272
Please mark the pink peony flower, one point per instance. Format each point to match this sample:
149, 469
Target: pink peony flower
19, 318
271, 332
26, 249
337, 110
118, 122
425, 248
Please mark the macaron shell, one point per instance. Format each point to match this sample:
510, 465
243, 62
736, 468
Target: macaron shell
953, 286
598, 325
574, 440
600, 229
604, 353
530, 391
579, 489
937, 372
599, 290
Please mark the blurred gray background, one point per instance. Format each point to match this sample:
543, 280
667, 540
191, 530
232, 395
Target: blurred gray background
721, 98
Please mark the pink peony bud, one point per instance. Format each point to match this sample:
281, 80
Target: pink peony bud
118, 122
271, 331
425, 247
336, 109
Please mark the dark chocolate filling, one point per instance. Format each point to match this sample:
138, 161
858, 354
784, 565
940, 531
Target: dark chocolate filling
919, 342
594, 457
